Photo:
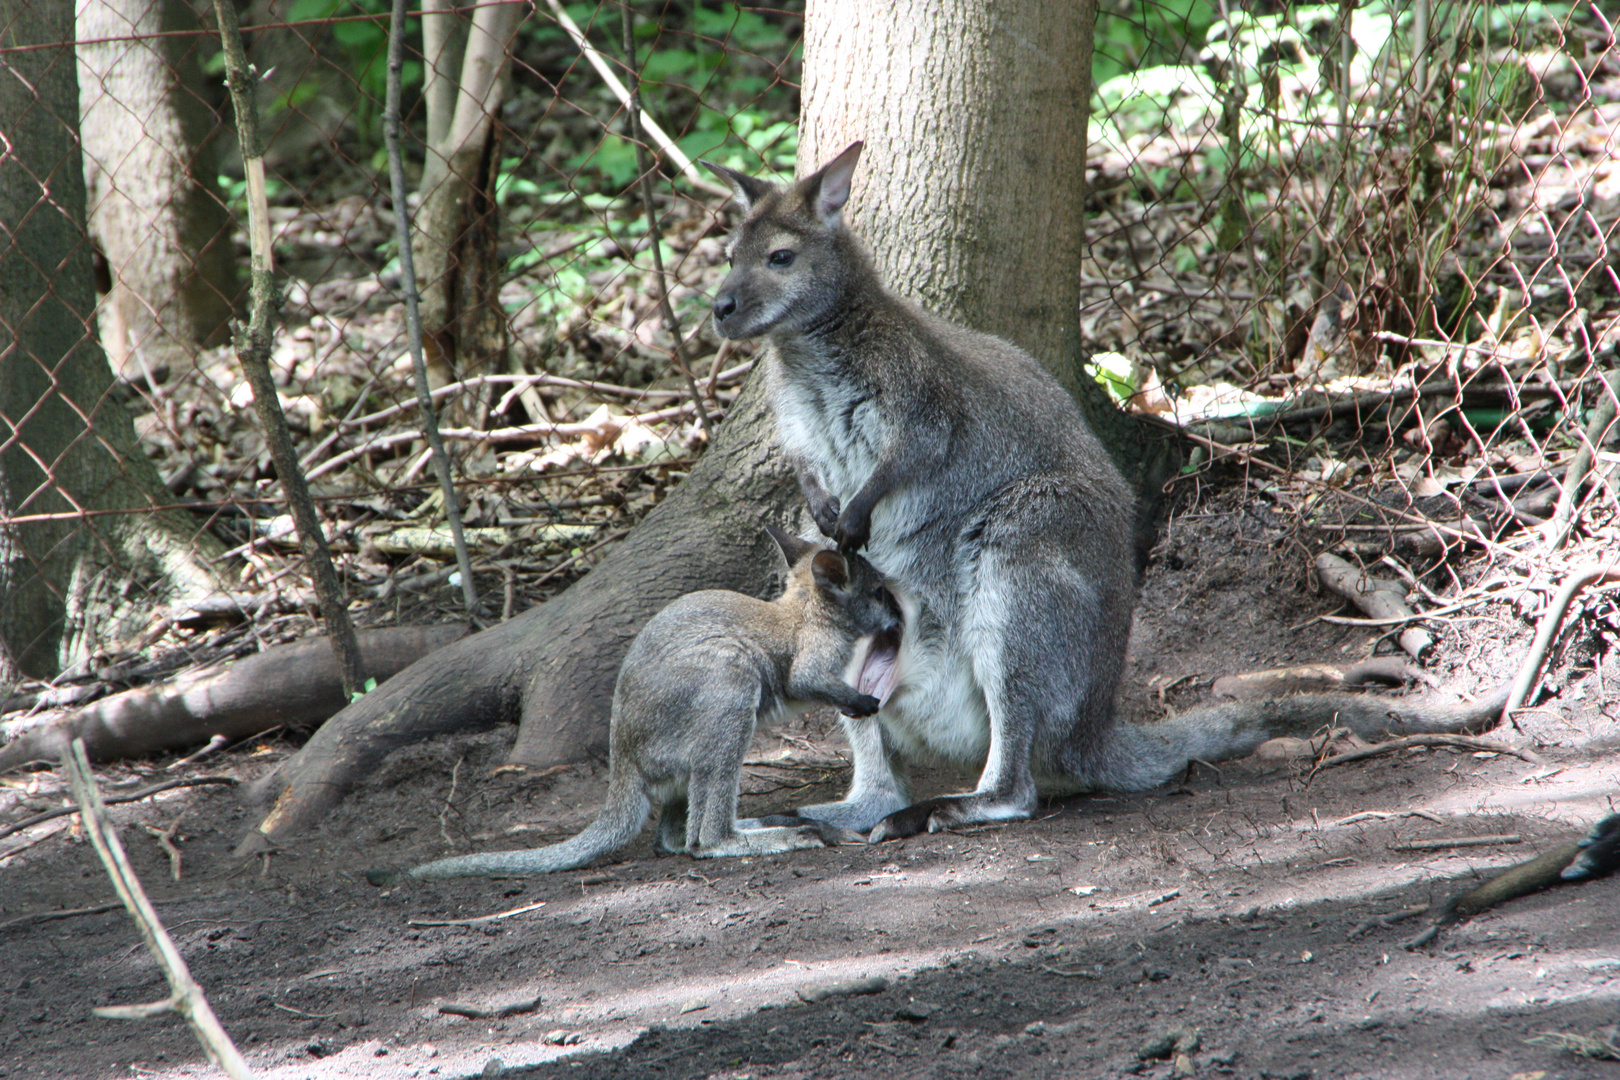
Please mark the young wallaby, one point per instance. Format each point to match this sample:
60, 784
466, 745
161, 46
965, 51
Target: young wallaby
696, 680
976, 488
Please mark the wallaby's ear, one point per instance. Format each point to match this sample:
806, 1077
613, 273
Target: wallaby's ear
827, 191
747, 190
793, 549
830, 570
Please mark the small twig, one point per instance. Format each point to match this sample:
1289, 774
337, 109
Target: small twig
1457, 842
413, 298
449, 800
475, 1012
1551, 619
69, 913
301, 1012
1384, 922
478, 920
63, 811
165, 839
1080, 974
185, 997
1464, 742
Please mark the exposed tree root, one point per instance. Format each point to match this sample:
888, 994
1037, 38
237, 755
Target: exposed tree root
296, 685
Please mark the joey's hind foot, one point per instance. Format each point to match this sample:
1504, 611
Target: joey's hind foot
941, 813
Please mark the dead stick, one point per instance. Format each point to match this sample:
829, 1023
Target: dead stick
253, 351
63, 811
1464, 742
475, 1012
1457, 842
185, 997
477, 920
413, 316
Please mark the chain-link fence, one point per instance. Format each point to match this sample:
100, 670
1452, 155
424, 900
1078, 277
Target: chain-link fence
1413, 201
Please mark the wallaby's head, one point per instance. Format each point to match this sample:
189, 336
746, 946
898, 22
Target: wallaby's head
790, 257
844, 592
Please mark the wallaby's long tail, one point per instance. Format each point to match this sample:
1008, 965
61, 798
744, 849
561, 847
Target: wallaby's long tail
619, 823
1136, 757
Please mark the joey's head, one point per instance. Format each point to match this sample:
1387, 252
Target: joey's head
790, 258
845, 597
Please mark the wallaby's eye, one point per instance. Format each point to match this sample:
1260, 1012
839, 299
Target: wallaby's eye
781, 257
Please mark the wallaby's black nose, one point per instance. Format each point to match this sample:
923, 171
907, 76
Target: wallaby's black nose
724, 306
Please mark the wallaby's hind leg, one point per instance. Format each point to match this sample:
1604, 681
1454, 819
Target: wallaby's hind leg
1036, 628
875, 791
672, 827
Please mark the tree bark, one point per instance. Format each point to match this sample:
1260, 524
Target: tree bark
456, 243
155, 212
997, 248
71, 577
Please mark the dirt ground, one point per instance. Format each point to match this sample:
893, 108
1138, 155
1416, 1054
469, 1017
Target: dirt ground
1055, 947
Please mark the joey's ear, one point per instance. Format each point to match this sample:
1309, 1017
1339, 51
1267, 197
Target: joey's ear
747, 190
793, 549
827, 191
829, 570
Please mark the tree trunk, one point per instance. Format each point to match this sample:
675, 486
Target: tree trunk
155, 212
71, 578
998, 248
456, 241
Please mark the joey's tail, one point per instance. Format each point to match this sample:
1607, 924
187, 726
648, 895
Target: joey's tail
1140, 756
619, 823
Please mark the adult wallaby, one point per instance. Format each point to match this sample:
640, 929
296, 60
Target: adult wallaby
696, 680
974, 484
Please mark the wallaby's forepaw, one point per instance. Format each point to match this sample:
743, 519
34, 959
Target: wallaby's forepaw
1600, 852
864, 705
825, 511
383, 877
853, 529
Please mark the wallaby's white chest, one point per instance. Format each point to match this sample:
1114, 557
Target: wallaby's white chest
827, 424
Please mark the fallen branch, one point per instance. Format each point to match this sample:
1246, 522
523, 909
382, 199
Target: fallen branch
1457, 842
1380, 599
185, 997
475, 1012
477, 920
295, 685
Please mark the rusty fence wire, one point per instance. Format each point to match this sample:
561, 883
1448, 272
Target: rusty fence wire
1286, 200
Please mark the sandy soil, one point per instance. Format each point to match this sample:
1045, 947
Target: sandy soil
1057, 947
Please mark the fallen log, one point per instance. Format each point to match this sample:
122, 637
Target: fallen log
294, 685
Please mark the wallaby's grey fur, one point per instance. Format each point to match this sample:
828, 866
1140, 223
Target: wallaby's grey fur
977, 489
697, 678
